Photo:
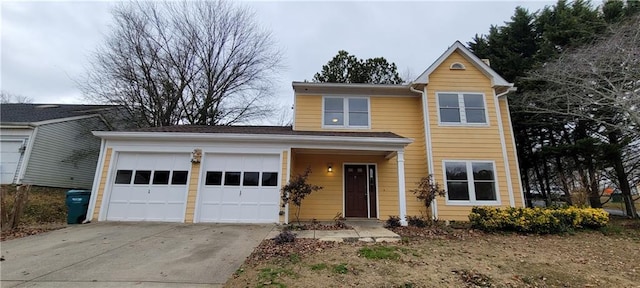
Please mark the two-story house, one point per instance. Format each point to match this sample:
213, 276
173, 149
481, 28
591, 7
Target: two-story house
367, 145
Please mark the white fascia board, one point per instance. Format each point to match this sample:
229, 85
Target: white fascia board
347, 85
12, 125
496, 79
40, 123
266, 138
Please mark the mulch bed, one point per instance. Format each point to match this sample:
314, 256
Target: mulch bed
318, 226
433, 232
269, 249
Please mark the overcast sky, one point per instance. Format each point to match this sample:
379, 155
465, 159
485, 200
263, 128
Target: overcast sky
46, 45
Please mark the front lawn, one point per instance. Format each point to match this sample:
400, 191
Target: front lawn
455, 258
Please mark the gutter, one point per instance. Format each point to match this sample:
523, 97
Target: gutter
173, 136
510, 89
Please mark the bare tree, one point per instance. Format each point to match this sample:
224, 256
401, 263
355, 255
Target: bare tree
191, 62
7, 97
598, 86
599, 82
284, 118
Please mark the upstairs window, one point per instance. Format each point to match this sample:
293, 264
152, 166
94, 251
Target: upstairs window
346, 112
462, 108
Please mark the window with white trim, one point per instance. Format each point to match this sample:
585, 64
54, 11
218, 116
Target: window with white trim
346, 112
470, 182
462, 108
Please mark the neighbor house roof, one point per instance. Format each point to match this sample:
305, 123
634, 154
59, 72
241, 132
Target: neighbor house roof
32, 113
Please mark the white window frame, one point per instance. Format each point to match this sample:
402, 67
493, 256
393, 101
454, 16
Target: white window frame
462, 111
345, 112
470, 182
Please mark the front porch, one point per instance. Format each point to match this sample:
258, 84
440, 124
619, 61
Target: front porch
357, 184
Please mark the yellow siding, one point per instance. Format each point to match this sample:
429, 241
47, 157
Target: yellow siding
464, 143
326, 203
511, 152
401, 115
283, 173
103, 183
194, 180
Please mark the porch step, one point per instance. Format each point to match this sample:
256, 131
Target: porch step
360, 233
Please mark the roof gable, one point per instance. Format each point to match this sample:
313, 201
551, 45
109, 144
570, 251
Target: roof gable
496, 79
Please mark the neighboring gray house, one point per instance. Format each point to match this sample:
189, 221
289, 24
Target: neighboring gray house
50, 144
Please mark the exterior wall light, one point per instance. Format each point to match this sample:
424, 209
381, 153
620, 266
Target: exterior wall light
329, 167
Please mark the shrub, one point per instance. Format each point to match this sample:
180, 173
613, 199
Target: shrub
537, 220
417, 221
392, 222
285, 237
427, 191
338, 221
296, 190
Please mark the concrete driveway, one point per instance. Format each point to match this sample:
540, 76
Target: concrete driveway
130, 254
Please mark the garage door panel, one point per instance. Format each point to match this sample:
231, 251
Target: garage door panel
249, 200
9, 158
211, 211
144, 188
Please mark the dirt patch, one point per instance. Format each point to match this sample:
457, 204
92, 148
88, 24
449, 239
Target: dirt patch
45, 211
583, 259
24, 231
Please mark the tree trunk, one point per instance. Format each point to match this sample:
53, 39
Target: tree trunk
623, 179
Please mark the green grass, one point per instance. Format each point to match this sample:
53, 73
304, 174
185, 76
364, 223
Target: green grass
318, 267
379, 252
294, 258
340, 268
268, 277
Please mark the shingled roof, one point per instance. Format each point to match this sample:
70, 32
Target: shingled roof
274, 130
30, 113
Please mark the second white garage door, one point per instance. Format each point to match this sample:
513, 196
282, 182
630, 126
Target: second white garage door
239, 189
149, 187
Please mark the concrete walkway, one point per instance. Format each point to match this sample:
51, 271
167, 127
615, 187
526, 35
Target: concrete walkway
366, 231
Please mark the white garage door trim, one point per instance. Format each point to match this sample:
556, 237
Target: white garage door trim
163, 174
257, 202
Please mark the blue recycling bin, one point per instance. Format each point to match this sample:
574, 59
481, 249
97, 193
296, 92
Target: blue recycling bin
77, 205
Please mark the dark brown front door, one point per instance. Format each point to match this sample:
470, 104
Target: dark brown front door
355, 190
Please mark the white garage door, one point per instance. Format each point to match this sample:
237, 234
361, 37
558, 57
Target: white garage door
10, 154
149, 187
240, 189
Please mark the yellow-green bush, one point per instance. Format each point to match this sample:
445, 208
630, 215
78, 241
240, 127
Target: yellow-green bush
537, 220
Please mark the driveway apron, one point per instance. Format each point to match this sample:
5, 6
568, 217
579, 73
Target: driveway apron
124, 254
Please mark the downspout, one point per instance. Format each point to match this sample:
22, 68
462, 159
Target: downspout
505, 157
427, 142
510, 89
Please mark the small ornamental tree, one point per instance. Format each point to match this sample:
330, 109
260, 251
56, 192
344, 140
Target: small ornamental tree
296, 190
427, 191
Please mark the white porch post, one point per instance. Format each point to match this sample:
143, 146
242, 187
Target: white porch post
402, 197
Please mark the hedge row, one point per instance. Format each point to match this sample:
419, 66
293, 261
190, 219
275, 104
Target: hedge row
537, 220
